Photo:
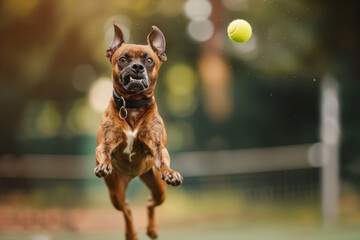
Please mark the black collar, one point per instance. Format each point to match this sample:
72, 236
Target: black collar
130, 103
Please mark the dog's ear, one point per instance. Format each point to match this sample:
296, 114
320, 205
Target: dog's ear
116, 42
156, 40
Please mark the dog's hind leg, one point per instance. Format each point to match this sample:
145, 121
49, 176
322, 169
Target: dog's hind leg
117, 184
157, 186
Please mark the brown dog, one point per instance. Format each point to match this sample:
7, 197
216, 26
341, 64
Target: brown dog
131, 138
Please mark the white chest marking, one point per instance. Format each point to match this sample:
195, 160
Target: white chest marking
130, 137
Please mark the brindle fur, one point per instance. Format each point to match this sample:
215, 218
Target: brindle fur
150, 159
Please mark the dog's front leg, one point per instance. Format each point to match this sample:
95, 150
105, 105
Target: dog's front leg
162, 163
107, 142
155, 140
103, 161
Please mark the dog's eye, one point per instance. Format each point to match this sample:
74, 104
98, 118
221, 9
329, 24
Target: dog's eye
149, 60
122, 60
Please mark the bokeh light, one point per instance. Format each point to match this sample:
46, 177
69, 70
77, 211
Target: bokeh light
100, 93
198, 9
181, 82
82, 118
200, 30
181, 79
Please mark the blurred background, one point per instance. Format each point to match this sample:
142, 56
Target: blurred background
266, 133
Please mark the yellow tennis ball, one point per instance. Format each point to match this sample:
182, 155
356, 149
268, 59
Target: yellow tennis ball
239, 30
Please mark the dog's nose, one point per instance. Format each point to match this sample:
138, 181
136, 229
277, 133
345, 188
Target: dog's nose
137, 67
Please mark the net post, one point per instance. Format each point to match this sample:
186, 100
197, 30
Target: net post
330, 135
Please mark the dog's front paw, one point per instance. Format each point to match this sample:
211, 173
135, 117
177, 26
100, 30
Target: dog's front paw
152, 232
172, 177
103, 169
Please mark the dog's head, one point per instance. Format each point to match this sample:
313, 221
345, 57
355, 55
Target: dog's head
135, 67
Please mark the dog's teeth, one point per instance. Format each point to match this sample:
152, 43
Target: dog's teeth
137, 79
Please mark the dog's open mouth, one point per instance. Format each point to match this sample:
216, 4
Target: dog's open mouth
135, 83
